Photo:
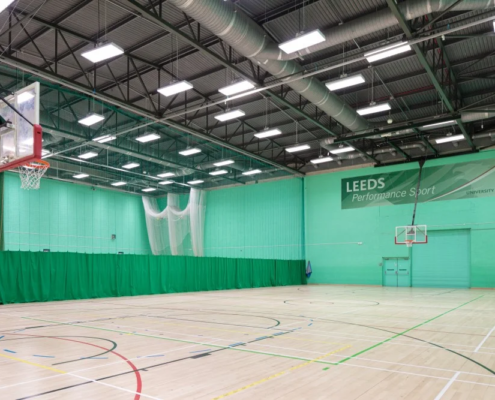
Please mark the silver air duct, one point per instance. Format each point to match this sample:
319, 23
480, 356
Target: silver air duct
372, 22
234, 27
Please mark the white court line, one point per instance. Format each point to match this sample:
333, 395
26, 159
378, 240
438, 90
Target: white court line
446, 387
484, 340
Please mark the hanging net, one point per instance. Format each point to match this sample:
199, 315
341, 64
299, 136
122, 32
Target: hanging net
174, 231
31, 174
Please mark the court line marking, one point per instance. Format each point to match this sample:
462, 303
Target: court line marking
59, 371
446, 387
406, 331
259, 382
484, 340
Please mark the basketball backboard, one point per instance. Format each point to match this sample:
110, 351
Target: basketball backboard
20, 140
411, 234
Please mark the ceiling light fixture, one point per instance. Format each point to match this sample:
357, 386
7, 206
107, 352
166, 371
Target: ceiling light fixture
268, 133
223, 163
219, 172
148, 137
80, 176
237, 87
103, 52
23, 97
298, 148
149, 190
166, 175
302, 41
453, 138
387, 51
345, 82
189, 152
230, 115
91, 119
374, 109
175, 88
4, 4
439, 124
165, 182
87, 155
322, 160
196, 182
104, 139
252, 172
341, 150
130, 165
120, 183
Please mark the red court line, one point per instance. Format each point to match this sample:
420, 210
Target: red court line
139, 381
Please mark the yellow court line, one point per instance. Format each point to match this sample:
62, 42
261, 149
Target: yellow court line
33, 364
280, 373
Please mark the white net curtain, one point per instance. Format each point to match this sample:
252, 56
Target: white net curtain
174, 231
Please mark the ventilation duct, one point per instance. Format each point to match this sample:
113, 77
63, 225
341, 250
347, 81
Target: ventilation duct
234, 27
470, 116
372, 22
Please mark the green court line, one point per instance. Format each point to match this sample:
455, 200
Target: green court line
404, 332
183, 341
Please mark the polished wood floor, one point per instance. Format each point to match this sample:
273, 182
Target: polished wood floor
307, 342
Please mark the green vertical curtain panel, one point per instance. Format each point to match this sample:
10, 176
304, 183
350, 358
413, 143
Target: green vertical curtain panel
1, 211
29, 276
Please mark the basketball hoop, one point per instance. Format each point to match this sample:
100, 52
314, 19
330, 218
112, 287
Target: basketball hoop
409, 242
31, 174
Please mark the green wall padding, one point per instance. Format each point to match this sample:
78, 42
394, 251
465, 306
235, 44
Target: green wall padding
32, 276
1, 211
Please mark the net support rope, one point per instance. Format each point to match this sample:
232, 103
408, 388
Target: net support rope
174, 231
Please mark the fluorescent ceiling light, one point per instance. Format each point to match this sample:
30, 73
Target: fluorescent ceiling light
80, 176
453, 138
223, 163
387, 51
45, 152
89, 154
230, 115
165, 182
166, 175
252, 172
148, 138
345, 82
374, 109
103, 52
302, 41
439, 124
23, 97
105, 138
322, 160
219, 172
197, 181
4, 4
91, 119
149, 190
130, 165
298, 148
121, 183
189, 152
268, 133
236, 88
174, 88
341, 150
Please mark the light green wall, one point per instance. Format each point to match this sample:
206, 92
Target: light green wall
63, 216
328, 227
256, 221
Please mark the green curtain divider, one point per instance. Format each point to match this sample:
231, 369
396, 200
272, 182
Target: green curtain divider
29, 276
1, 210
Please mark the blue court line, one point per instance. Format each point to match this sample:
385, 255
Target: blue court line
236, 344
1, 337
157, 355
310, 324
200, 351
261, 337
280, 333
96, 358
10, 351
37, 355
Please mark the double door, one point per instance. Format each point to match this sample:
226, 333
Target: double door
396, 272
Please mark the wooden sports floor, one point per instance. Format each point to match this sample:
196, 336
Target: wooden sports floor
308, 342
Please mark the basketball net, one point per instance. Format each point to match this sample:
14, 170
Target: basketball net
31, 174
409, 242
